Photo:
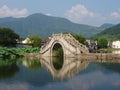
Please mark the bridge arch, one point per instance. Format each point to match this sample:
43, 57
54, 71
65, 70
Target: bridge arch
71, 47
57, 45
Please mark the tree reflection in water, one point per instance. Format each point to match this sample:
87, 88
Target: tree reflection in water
32, 63
8, 68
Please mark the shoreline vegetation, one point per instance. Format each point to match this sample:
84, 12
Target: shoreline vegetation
10, 56
16, 52
7, 54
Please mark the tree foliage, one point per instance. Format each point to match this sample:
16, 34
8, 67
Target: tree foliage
102, 42
35, 41
80, 38
8, 37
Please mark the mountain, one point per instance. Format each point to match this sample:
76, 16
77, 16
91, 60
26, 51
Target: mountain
112, 33
39, 24
106, 25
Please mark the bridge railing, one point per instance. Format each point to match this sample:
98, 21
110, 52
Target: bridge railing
45, 46
70, 39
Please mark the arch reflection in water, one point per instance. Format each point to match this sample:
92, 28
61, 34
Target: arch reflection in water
70, 67
57, 62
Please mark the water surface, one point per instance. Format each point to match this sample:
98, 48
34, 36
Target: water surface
73, 74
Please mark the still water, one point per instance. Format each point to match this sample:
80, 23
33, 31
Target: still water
58, 74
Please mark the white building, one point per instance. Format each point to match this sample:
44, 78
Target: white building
26, 41
116, 44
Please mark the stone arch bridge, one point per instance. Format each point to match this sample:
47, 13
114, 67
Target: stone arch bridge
71, 47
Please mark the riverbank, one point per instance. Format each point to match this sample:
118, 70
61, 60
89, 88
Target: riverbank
32, 55
90, 56
108, 50
100, 56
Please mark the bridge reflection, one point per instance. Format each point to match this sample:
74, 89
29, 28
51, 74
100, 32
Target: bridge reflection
70, 67
65, 68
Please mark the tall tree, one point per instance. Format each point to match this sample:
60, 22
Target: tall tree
35, 41
8, 37
102, 42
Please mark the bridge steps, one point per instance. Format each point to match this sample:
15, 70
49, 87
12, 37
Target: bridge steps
71, 40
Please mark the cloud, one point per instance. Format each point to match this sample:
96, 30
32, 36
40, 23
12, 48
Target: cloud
5, 11
48, 14
115, 15
79, 11
80, 14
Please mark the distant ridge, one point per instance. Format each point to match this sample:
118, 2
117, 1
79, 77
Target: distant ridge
106, 25
112, 33
43, 25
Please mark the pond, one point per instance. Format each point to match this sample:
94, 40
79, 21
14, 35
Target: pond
71, 74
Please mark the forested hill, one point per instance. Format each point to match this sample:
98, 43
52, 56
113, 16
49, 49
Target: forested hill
112, 33
106, 25
42, 25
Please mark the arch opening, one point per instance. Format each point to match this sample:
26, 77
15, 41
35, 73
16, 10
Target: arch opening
57, 50
58, 54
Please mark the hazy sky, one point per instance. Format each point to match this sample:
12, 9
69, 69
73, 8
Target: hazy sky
91, 12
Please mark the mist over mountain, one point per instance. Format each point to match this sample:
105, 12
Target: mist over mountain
44, 26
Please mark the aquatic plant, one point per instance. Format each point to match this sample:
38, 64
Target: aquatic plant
16, 52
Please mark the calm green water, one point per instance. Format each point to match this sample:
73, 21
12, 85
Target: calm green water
71, 74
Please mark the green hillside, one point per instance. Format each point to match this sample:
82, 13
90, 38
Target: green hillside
39, 24
112, 33
106, 25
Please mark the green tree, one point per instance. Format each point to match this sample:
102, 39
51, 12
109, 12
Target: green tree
35, 41
80, 38
102, 42
8, 37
